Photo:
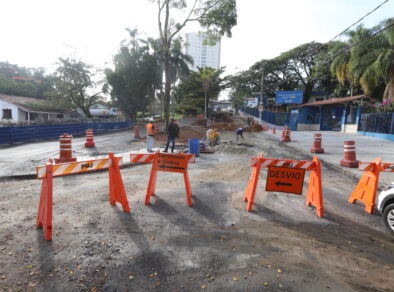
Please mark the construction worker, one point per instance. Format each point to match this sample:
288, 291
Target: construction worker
213, 137
239, 133
173, 133
150, 133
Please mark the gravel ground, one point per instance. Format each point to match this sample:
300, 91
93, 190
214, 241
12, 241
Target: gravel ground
213, 246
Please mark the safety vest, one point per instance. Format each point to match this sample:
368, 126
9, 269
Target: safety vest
150, 129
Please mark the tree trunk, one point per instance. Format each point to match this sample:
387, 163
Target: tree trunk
167, 90
389, 90
86, 112
308, 91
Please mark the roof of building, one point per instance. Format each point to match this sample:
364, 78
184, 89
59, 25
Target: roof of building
30, 104
334, 100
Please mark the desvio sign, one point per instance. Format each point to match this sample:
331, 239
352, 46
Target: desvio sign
289, 97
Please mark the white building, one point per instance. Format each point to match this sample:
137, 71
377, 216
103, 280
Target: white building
203, 55
18, 109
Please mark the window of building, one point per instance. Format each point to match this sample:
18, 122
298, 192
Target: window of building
7, 114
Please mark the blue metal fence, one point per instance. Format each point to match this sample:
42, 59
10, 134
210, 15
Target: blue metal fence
280, 119
377, 123
10, 135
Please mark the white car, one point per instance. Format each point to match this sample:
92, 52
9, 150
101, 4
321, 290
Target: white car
385, 206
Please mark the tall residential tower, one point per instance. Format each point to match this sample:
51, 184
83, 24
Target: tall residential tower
203, 55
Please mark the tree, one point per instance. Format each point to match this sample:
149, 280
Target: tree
370, 61
133, 82
217, 17
73, 82
300, 61
194, 90
21, 81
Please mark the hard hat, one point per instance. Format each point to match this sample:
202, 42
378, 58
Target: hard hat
151, 120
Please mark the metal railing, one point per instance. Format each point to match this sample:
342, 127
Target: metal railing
11, 135
377, 123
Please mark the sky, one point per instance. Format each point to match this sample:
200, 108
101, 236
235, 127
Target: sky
36, 33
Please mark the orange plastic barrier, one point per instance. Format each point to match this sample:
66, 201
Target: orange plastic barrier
314, 194
165, 162
365, 191
46, 173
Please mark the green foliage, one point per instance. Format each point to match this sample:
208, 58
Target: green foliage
73, 85
216, 17
20, 81
132, 83
370, 63
301, 68
191, 91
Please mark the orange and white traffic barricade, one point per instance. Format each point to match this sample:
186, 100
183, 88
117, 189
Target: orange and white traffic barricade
165, 162
49, 171
349, 155
366, 189
89, 139
287, 176
66, 151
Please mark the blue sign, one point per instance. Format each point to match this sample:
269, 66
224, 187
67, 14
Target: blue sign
292, 97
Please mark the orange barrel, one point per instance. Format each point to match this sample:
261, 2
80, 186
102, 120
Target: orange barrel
89, 138
137, 132
66, 151
317, 148
286, 136
349, 155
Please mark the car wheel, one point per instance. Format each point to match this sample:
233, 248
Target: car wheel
388, 217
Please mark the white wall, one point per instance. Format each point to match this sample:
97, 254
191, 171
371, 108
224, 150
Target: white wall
308, 127
350, 128
21, 115
13, 108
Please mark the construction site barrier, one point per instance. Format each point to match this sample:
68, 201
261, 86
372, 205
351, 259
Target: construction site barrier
137, 132
49, 171
165, 162
89, 139
366, 189
349, 155
286, 135
314, 196
317, 148
66, 151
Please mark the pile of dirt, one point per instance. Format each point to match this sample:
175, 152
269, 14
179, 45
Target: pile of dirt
254, 128
223, 126
200, 123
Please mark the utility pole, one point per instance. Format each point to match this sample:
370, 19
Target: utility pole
261, 94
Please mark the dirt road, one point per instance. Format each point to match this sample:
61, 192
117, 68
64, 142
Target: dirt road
213, 246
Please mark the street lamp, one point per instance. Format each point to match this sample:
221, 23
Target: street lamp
261, 107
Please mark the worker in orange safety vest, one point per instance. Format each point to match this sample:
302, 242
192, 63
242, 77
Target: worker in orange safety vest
150, 133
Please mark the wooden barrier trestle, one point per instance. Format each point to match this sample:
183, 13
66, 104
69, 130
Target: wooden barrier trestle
46, 173
165, 162
314, 196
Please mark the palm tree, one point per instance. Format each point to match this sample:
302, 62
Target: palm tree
209, 77
370, 62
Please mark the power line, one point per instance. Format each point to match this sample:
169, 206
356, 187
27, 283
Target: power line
330, 59
361, 41
358, 21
